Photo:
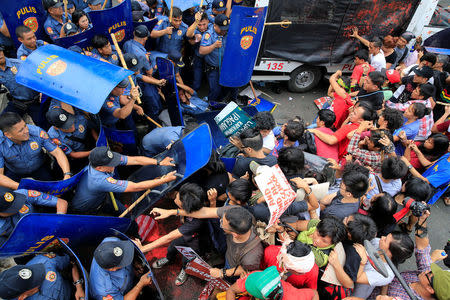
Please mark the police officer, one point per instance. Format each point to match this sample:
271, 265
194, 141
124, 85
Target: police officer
92, 191
213, 46
56, 18
21, 99
102, 47
218, 7
69, 29
69, 132
93, 5
173, 33
111, 110
29, 42
21, 152
41, 279
16, 204
111, 274
142, 77
198, 60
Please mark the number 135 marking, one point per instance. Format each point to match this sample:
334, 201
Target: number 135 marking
275, 66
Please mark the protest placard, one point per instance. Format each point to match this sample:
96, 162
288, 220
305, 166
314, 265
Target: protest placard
276, 191
232, 120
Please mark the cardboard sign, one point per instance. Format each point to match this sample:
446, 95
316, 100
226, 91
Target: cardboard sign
262, 104
232, 120
199, 268
276, 191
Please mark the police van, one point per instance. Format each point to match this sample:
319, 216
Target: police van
318, 42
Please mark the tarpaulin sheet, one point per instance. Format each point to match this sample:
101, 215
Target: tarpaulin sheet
320, 29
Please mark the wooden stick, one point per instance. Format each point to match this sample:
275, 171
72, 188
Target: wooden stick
153, 121
113, 200
104, 4
253, 89
65, 9
443, 103
286, 22
171, 11
135, 203
201, 4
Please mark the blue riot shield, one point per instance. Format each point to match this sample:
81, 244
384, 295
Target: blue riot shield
79, 265
121, 141
190, 154
170, 90
70, 77
36, 233
82, 40
183, 4
242, 45
138, 253
55, 188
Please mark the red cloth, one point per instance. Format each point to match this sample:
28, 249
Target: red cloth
325, 150
289, 291
307, 280
358, 71
443, 127
340, 108
343, 141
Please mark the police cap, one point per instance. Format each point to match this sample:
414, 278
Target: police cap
103, 156
141, 31
222, 21
114, 254
52, 3
132, 62
19, 279
11, 202
59, 118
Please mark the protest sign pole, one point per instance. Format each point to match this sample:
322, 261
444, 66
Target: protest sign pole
135, 203
104, 4
253, 89
65, 9
171, 11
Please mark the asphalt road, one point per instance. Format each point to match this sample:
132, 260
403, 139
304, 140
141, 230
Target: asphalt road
293, 104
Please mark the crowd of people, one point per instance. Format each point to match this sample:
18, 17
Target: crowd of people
384, 131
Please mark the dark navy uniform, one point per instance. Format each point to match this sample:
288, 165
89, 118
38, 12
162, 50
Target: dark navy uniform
198, 60
176, 40
34, 198
27, 158
23, 51
23, 100
213, 62
54, 286
53, 27
113, 58
92, 191
71, 141
105, 284
107, 110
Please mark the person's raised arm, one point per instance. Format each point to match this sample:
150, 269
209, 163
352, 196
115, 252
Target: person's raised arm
202, 213
62, 160
324, 137
149, 184
191, 30
335, 85
163, 240
441, 119
413, 170
343, 277
145, 280
360, 38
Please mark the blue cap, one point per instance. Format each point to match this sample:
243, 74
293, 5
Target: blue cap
219, 5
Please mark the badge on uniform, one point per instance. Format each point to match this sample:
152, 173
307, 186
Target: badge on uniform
207, 36
81, 128
33, 193
25, 209
50, 30
108, 297
50, 276
111, 180
114, 57
34, 146
56, 141
43, 134
179, 32
14, 70
50, 255
221, 4
23, 57
9, 197
109, 104
159, 22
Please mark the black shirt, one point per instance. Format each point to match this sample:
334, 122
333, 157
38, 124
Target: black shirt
243, 164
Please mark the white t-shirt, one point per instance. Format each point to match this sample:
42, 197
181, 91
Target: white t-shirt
269, 141
378, 61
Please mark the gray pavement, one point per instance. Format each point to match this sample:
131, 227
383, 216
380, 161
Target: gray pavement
303, 105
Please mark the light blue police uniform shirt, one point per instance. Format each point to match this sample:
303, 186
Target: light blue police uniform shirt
23, 51
177, 37
53, 28
33, 198
28, 156
215, 57
62, 139
158, 139
116, 284
113, 58
54, 286
93, 188
196, 46
8, 79
136, 48
80, 4
107, 110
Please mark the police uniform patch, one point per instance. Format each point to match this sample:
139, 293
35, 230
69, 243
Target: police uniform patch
50, 255
221, 4
179, 32
33, 193
108, 297
50, 276
207, 36
23, 57
56, 141
25, 209
50, 30
14, 70
159, 22
9, 197
114, 57
43, 134
34, 145
111, 180
81, 128
109, 104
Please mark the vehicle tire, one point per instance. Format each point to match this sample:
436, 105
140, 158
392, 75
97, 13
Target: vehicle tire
304, 78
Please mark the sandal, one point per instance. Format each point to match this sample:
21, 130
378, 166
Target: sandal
404, 228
